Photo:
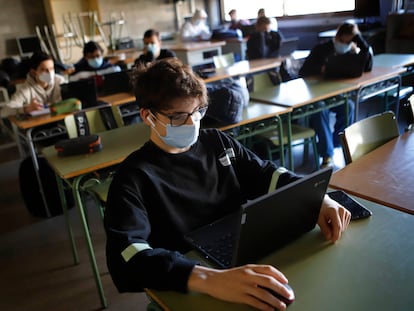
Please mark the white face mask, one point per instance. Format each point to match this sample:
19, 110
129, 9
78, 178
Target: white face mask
47, 77
153, 48
342, 48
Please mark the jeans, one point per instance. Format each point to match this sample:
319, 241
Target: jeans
327, 140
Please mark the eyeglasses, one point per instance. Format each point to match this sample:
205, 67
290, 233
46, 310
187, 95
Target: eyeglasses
180, 118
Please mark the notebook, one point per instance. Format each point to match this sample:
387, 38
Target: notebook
263, 225
84, 90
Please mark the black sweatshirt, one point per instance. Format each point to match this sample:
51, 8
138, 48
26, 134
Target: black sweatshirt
157, 197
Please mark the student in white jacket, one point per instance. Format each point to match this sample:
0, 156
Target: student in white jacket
196, 29
41, 88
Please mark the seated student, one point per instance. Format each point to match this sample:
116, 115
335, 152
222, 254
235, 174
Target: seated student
152, 48
196, 28
41, 88
176, 183
264, 42
354, 55
92, 63
273, 20
235, 22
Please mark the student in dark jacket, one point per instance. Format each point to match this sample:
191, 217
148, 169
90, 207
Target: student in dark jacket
92, 63
180, 180
348, 55
152, 48
263, 43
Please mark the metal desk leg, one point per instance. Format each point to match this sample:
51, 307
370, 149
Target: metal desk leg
289, 142
32, 151
68, 226
281, 142
18, 140
92, 259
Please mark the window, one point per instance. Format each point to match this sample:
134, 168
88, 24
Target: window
247, 9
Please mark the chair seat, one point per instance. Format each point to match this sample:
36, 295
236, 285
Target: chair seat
101, 189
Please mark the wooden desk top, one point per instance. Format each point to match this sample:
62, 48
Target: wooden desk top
194, 46
385, 175
118, 98
31, 122
299, 92
393, 60
377, 74
117, 144
370, 268
244, 67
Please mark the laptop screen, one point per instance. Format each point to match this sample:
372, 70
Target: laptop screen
84, 90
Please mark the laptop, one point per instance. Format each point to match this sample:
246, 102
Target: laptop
288, 46
84, 90
263, 225
342, 66
115, 82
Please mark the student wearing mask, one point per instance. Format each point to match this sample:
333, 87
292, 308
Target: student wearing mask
264, 42
92, 63
347, 55
41, 88
152, 48
196, 28
176, 183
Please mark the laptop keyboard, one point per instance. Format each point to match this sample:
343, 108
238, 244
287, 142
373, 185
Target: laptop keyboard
221, 249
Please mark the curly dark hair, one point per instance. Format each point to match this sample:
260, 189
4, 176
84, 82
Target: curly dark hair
159, 83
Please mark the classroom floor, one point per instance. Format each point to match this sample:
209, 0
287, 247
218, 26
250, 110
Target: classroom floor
36, 265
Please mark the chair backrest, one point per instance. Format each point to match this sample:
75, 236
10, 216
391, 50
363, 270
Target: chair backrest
261, 81
224, 60
93, 121
368, 134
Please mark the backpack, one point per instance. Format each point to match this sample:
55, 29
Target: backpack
227, 98
29, 188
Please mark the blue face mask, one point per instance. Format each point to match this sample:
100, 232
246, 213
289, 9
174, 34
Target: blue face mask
180, 136
342, 48
153, 48
95, 62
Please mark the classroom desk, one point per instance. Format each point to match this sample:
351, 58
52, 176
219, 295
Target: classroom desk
243, 68
385, 175
303, 92
369, 268
393, 60
380, 80
196, 53
118, 98
117, 145
23, 131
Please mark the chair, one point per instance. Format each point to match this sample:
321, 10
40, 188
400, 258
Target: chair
224, 60
368, 134
97, 120
301, 135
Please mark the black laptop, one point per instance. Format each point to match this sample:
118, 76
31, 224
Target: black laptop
115, 82
85, 90
265, 224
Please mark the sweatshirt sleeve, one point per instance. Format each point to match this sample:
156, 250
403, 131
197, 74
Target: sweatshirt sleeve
133, 262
